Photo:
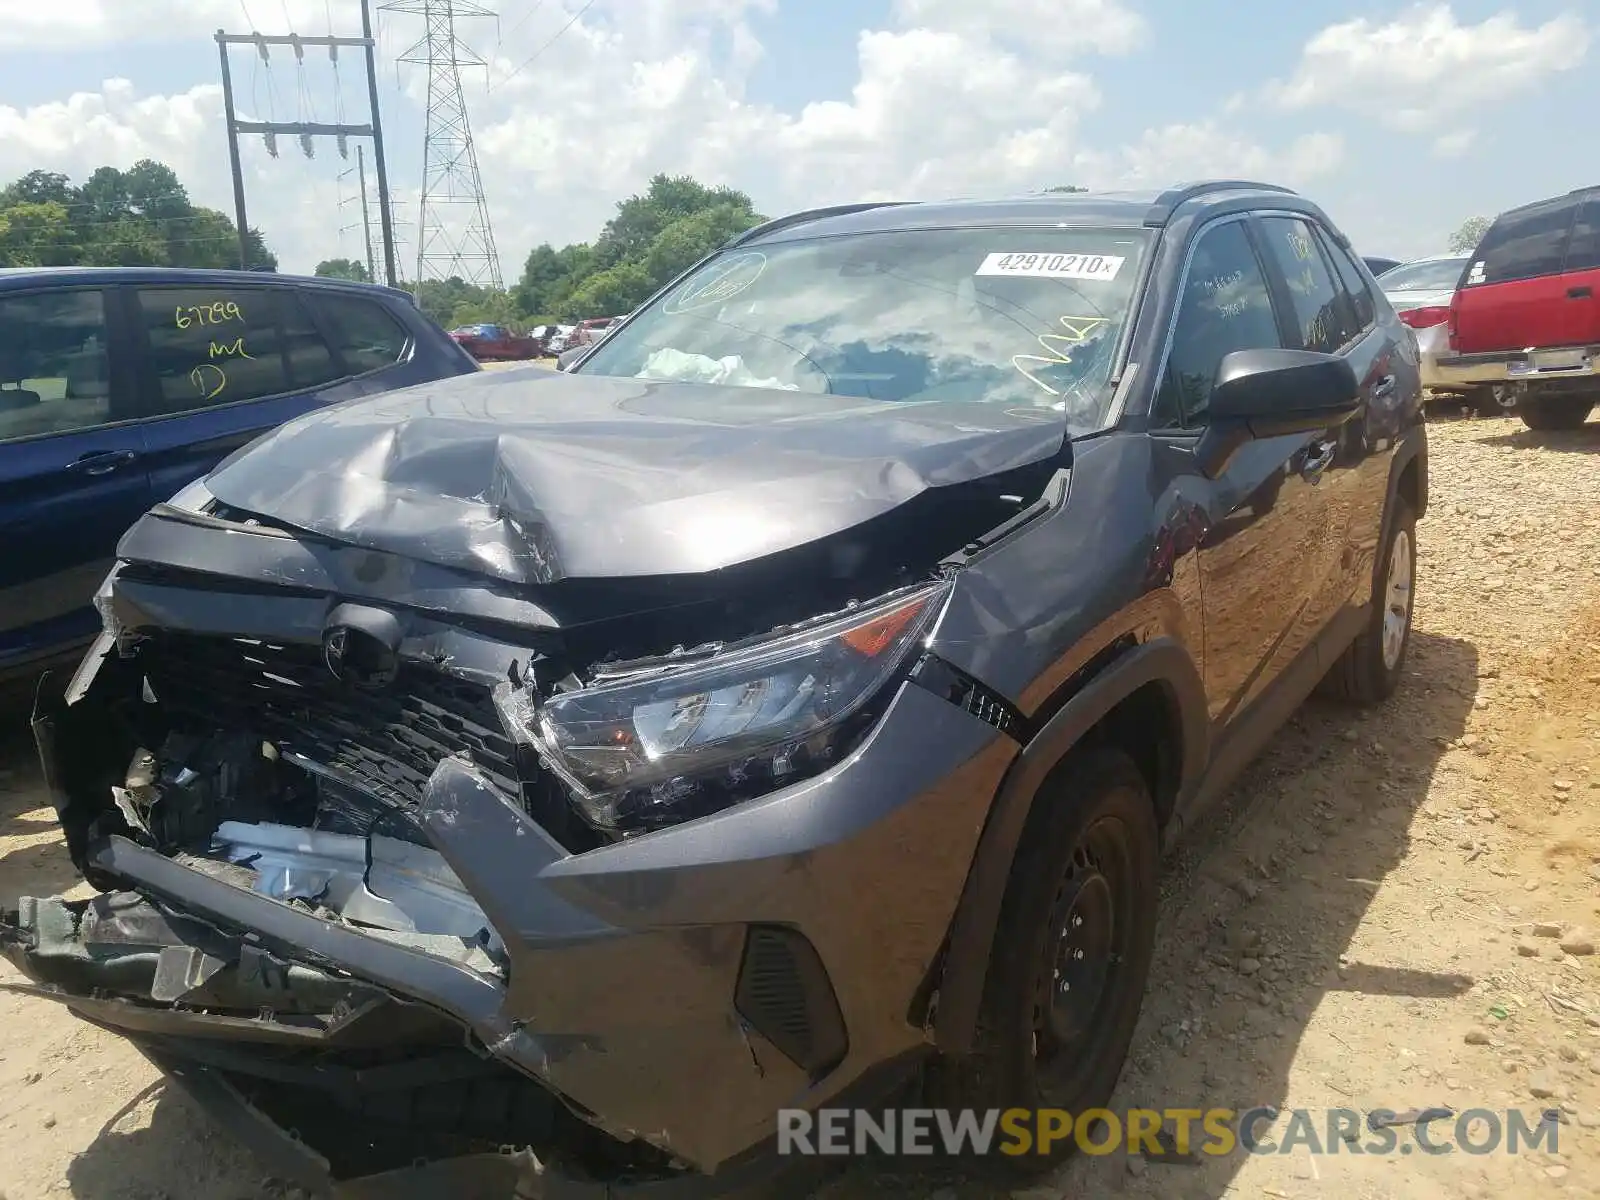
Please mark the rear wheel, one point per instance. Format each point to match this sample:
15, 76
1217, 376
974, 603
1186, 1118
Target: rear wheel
1072, 950
1555, 412
1369, 670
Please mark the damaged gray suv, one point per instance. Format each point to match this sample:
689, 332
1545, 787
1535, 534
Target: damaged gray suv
558, 774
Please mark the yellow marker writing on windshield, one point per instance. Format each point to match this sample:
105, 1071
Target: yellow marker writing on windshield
1057, 347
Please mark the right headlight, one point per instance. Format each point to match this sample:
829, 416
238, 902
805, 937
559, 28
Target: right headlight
669, 743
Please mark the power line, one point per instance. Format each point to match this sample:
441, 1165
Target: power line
522, 20
532, 57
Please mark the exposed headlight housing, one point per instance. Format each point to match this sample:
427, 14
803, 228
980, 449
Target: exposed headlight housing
670, 742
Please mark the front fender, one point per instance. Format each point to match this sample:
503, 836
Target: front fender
1161, 660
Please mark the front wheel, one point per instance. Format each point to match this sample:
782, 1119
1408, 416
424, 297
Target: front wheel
1369, 670
1072, 949
1555, 412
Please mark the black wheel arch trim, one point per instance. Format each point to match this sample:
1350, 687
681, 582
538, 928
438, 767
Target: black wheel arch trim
1411, 446
1161, 660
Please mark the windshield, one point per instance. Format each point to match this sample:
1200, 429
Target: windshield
1002, 316
1435, 275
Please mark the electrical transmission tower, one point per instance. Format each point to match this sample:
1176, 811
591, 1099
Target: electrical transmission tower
454, 237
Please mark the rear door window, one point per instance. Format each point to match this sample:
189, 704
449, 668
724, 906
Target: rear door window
1355, 285
223, 345
1524, 244
1318, 305
366, 336
55, 374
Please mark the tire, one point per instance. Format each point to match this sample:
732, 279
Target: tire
1092, 834
1555, 412
1369, 671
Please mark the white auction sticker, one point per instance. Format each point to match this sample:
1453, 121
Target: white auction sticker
1053, 266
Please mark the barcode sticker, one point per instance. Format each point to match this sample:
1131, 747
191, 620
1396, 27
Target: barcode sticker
1103, 267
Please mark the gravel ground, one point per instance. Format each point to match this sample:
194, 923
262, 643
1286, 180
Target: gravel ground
1390, 913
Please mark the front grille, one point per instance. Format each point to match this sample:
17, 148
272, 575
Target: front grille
389, 741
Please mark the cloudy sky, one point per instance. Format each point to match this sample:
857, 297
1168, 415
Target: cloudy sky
1401, 121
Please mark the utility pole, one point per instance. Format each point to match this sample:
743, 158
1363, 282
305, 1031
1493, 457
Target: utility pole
360, 172
233, 155
385, 216
366, 221
450, 176
304, 130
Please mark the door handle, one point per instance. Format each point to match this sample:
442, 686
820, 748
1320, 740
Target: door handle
1384, 388
1582, 291
103, 462
1319, 457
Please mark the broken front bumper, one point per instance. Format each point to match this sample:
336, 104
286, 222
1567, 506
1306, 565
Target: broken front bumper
674, 990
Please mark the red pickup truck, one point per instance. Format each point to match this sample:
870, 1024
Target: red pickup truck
491, 343
1527, 312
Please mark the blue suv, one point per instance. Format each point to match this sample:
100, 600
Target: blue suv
118, 386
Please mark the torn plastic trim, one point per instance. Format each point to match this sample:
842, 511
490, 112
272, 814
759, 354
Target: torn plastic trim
1051, 497
472, 998
971, 695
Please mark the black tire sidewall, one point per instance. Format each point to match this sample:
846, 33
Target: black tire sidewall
1087, 787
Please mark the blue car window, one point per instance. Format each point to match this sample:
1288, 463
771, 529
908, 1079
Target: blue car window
363, 332
54, 374
220, 345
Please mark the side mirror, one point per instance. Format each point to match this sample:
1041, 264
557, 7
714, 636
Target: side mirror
1274, 393
568, 357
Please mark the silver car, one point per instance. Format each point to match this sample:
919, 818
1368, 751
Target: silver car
1420, 292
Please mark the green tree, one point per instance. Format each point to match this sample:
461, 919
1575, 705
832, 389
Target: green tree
38, 234
615, 290
689, 239
138, 217
489, 308
125, 242
1465, 239
1068, 188
343, 268
40, 187
652, 237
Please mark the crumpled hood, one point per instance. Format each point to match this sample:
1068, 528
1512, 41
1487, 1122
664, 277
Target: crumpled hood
533, 476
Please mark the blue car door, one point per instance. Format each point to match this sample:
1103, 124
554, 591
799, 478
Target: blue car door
221, 365
72, 466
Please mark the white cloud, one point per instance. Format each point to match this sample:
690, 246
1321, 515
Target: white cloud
949, 99
1418, 71
1207, 150
1455, 143
78, 24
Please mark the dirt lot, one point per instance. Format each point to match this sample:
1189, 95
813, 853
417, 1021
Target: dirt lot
1390, 914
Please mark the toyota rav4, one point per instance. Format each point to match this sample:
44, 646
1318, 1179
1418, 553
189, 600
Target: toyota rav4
791, 702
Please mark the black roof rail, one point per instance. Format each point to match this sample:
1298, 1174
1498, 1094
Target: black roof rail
1167, 203
810, 214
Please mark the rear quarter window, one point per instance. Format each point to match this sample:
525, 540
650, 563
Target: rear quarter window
364, 333
1583, 248
1524, 244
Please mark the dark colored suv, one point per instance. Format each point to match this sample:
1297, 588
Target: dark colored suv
1527, 312
120, 386
798, 693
